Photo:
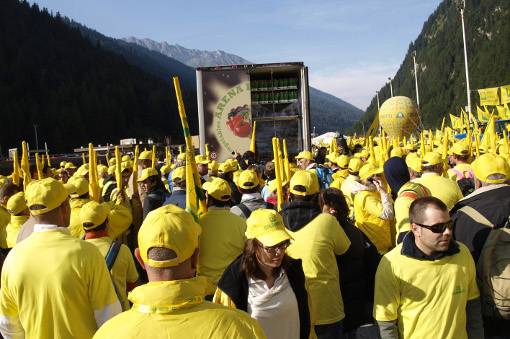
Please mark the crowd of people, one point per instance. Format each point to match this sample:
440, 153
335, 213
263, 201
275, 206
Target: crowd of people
366, 239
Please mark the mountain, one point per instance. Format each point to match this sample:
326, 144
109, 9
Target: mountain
440, 59
328, 113
74, 90
190, 57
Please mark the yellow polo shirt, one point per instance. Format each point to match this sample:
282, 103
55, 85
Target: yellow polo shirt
317, 244
176, 309
222, 240
56, 286
13, 229
123, 270
427, 298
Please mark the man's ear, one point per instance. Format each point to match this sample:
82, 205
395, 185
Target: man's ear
139, 257
415, 230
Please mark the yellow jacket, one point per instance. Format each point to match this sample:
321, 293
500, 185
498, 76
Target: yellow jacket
176, 309
368, 209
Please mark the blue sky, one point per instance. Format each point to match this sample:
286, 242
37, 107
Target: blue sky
351, 47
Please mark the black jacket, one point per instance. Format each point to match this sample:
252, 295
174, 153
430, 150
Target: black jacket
234, 283
297, 214
357, 266
154, 199
493, 203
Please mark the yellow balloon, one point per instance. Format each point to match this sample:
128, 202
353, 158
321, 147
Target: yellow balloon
398, 116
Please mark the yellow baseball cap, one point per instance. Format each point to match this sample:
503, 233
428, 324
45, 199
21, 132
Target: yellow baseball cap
413, 161
274, 183
181, 156
306, 179
305, 155
145, 155
102, 169
165, 169
63, 164
490, 164
125, 158
218, 188
431, 159
179, 173
169, 227
45, 195
396, 152
355, 165
201, 159
227, 166
83, 170
369, 170
342, 161
147, 173
16, 203
460, 148
266, 226
93, 214
248, 179
126, 165
69, 165
81, 186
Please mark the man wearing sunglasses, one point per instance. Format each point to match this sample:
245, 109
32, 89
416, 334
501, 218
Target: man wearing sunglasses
426, 286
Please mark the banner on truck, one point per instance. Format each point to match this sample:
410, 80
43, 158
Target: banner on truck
227, 112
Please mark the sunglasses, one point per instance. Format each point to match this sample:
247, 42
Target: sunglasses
439, 227
276, 248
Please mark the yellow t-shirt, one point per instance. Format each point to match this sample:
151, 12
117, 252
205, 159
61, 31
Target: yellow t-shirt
442, 188
75, 224
13, 229
123, 270
56, 286
176, 309
5, 217
367, 209
316, 244
428, 298
222, 240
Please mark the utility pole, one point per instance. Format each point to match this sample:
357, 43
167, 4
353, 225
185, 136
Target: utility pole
416, 80
391, 87
461, 5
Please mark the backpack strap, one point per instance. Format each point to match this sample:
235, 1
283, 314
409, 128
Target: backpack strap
112, 254
246, 211
476, 216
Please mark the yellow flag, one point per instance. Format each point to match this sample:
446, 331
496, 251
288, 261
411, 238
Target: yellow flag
38, 166
135, 170
25, 166
207, 153
286, 165
278, 174
16, 173
154, 156
94, 192
253, 137
118, 172
48, 161
481, 114
503, 112
489, 96
83, 160
195, 198
372, 130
